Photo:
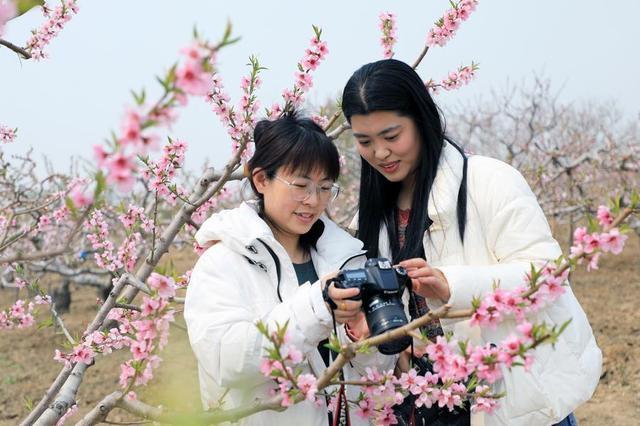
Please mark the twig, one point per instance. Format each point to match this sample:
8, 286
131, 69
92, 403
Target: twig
424, 51
17, 49
128, 306
332, 121
158, 414
50, 253
61, 324
335, 133
133, 281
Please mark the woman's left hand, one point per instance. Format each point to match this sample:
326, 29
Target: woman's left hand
427, 281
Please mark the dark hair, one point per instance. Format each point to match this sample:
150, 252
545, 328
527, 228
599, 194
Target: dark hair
392, 85
298, 145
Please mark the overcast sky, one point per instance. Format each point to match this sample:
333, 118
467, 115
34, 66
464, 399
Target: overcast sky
71, 101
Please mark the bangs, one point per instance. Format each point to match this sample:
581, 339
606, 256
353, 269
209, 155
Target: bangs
313, 153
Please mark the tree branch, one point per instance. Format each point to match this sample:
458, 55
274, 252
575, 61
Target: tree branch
19, 50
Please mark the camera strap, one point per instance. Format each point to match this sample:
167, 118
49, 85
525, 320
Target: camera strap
341, 411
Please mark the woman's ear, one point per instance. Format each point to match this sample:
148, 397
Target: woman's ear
260, 180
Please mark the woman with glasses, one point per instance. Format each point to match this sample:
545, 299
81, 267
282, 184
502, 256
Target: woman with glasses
263, 264
461, 225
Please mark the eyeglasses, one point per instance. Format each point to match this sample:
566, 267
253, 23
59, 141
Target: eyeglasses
302, 188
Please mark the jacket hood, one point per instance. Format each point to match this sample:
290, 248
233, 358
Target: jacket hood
240, 228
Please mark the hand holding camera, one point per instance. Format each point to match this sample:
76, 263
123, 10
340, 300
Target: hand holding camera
380, 287
341, 301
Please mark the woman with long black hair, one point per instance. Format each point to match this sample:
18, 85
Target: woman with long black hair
459, 224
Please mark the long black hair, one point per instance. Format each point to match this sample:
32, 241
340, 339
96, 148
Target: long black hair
392, 85
298, 145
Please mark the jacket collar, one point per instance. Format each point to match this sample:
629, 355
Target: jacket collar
239, 229
443, 198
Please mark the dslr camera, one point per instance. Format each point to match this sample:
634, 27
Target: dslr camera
381, 287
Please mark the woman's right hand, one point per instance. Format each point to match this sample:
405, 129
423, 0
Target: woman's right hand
346, 310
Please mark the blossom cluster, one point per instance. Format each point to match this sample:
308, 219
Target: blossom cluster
445, 28
7, 135
376, 400
18, 315
193, 77
500, 303
454, 366
202, 212
160, 174
138, 135
455, 79
56, 20
388, 28
314, 55
97, 342
98, 236
150, 332
591, 245
280, 365
126, 256
121, 168
128, 250
320, 120
143, 332
134, 215
549, 282
239, 124
21, 314
79, 195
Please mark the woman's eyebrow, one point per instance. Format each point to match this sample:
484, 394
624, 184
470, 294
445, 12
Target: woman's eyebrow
320, 180
381, 133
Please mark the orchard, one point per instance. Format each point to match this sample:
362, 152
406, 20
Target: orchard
95, 263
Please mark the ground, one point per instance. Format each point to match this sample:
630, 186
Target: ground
610, 297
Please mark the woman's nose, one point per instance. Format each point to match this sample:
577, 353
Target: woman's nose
313, 198
381, 152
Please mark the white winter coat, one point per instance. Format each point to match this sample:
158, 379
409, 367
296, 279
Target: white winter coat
234, 284
506, 230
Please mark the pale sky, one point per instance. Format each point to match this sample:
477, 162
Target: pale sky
71, 101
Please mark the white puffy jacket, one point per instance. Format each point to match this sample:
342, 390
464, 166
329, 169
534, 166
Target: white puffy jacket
506, 230
238, 281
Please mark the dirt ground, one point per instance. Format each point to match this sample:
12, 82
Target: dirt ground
610, 296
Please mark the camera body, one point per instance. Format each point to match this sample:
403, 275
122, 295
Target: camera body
381, 286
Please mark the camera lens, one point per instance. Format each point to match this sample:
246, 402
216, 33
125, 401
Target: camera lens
385, 314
